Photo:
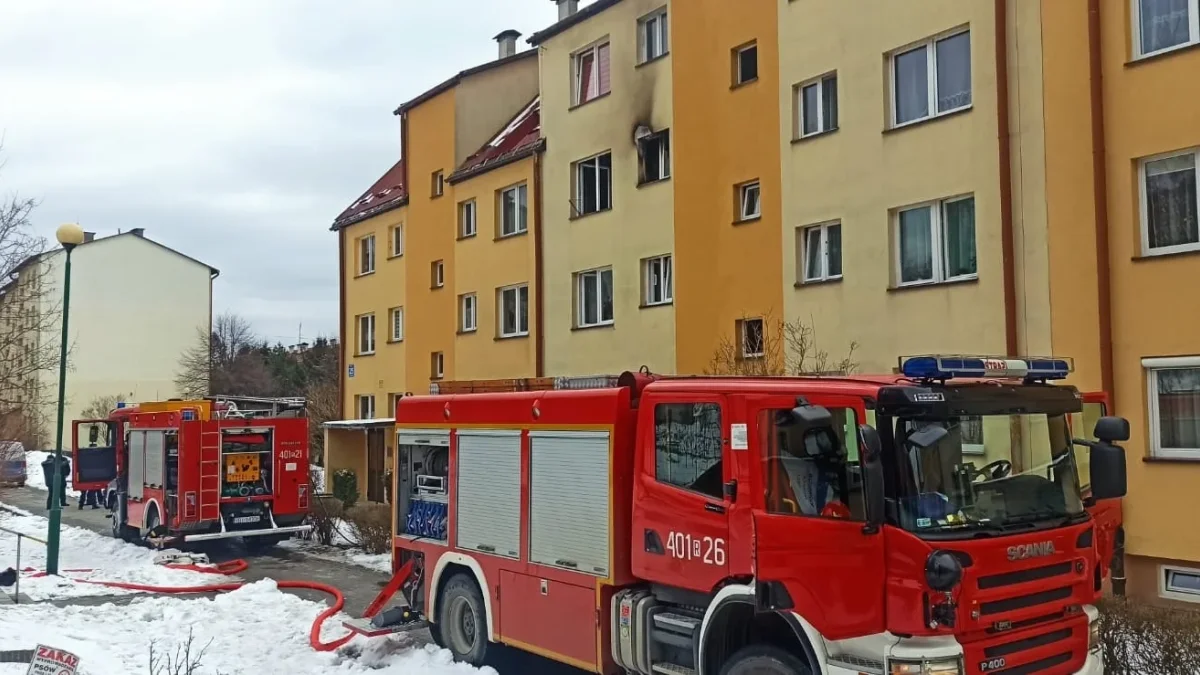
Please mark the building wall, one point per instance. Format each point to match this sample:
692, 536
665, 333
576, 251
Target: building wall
640, 223
385, 371
486, 263
723, 137
486, 101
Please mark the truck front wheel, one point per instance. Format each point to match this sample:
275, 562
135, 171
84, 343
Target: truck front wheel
765, 659
462, 620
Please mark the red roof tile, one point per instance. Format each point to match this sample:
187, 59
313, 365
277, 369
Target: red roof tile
522, 135
387, 193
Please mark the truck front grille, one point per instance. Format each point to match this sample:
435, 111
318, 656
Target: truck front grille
1023, 601
1049, 649
1024, 576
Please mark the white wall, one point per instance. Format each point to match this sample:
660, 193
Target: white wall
135, 308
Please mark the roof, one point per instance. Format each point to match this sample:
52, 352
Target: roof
575, 19
385, 194
521, 137
360, 424
135, 232
453, 81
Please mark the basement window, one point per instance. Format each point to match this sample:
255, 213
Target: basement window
1179, 583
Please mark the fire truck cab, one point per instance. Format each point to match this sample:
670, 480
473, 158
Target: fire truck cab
186, 471
940, 521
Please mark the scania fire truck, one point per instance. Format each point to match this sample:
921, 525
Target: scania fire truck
955, 517
186, 471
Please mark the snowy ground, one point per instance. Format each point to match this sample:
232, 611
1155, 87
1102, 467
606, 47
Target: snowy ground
343, 550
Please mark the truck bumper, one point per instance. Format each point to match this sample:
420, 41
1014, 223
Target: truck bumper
1094, 664
230, 534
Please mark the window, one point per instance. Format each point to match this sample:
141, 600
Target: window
514, 211
366, 334
437, 365
745, 64
1160, 25
931, 79
811, 472
393, 401
749, 201
1169, 204
397, 237
590, 74
1174, 407
467, 310
816, 105
658, 283
936, 242
970, 429
366, 255
821, 251
652, 36
654, 157
466, 219
595, 297
514, 311
437, 184
687, 447
437, 273
593, 184
365, 406
751, 338
397, 324
1179, 583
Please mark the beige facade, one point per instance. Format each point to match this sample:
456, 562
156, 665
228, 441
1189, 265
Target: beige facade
599, 239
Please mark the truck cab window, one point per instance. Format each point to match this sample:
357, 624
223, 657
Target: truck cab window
687, 446
812, 472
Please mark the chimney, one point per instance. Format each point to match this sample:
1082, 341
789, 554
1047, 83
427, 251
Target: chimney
88, 236
138, 232
567, 8
508, 42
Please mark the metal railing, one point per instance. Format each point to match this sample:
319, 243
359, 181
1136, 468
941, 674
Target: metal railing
16, 596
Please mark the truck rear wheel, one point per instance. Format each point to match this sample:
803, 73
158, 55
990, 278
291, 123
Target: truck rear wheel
764, 659
462, 620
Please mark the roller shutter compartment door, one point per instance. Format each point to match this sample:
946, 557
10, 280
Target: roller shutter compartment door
137, 461
489, 492
569, 500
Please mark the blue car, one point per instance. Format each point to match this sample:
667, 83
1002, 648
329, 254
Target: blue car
12, 463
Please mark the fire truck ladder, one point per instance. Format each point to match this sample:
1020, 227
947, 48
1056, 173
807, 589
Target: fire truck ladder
210, 472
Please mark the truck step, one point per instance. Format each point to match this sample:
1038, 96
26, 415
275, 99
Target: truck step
672, 669
365, 627
676, 622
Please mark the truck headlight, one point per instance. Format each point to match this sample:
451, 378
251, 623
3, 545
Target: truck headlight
950, 665
1094, 636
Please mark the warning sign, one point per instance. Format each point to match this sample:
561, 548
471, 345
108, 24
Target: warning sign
51, 661
242, 467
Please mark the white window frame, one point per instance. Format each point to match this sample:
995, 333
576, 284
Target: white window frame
657, 22
938, 225
976, 448
366, 255
1164, 584
667, 267
369, 413
930, 47
586, 277
1144, 205
577, 89
397, 239
468, 219
513, 293
520, 196
737, 64
805, 276
437, 365
742, 325
439, 274
365, 330
743, 195
1135, 7
396, 328
819, 83
468, 313
663, 142
439, 183
1152, 367
393, 400
579, 183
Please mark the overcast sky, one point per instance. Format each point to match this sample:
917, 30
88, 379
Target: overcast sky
232, 130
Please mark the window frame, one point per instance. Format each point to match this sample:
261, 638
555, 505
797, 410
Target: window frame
522, 327
1164, 583
437, 274
369, 318
663, 139
396, 239
580, 280
465, 208
359, 399
468, 301
366, 255
667, 263
722, 417
437, 365
577, 90
819, 83
1152, 366
437, 184
937, 225
579, 184
823, 227
742, 341
1135, 8
662, 34
393, 313
743, 190
929, 44
737, 64
394, 400
974, 449
1144, 202
521, 198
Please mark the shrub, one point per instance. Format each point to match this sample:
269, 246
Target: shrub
1142, 638
345, 487
323, 514
373, 524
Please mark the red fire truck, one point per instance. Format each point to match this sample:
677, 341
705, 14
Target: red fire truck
935, 522
186, 471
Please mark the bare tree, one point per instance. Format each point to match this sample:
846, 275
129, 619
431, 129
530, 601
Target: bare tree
766, 346
226, 360
101, 406
322, 405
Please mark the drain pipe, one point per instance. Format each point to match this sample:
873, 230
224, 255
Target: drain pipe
1007, 245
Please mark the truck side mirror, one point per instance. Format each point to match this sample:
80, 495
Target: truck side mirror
872, 461
1108, 469
1112, 429
93, 434
927, 437
810, 416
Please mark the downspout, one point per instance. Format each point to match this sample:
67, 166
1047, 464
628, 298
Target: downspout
1008, 255
213, 273
539, 340
1103, 278
341, 324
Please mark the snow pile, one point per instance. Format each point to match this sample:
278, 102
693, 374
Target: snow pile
111, 560
33, 471
257, 629
344, 550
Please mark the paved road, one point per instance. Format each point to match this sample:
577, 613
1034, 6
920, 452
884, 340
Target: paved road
358, 584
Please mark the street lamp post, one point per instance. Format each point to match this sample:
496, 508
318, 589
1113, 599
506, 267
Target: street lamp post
69, 236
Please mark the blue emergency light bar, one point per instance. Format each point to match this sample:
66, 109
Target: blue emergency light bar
949, 367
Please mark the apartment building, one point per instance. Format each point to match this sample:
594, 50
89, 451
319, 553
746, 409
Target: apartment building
606, 111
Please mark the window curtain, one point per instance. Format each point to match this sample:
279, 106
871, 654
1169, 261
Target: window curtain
1163, 24
954, 72
912, 85
960, 238
1179, 408
916, 245
1171, 201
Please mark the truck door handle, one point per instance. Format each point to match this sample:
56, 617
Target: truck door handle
713, 508
653, 543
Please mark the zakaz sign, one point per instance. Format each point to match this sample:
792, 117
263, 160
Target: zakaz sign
52, 661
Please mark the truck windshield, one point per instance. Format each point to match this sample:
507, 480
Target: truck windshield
992, 473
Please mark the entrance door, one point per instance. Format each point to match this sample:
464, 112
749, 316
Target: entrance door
96, 460
375, 466
809, 526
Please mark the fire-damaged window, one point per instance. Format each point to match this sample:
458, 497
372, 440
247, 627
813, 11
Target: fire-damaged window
687, 441
654, 157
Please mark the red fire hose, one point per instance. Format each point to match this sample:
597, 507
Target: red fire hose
235, 566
